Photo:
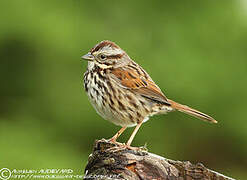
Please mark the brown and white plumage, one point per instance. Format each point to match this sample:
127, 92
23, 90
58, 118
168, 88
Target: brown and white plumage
122, 92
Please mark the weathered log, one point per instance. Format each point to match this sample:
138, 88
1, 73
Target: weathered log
112, 161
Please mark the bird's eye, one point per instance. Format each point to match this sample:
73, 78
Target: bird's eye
102, 57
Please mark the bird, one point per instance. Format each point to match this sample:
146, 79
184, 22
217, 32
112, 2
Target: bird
122, 92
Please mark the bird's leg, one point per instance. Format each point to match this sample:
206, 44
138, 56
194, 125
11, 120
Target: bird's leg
114, 138
124, 146
133, 134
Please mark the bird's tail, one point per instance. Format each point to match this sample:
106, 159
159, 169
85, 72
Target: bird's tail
190, 111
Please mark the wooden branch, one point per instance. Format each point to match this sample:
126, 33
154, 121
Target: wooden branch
112, 161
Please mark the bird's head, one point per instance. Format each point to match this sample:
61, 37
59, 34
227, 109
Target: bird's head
107, 54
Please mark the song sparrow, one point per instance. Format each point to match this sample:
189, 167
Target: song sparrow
122, 92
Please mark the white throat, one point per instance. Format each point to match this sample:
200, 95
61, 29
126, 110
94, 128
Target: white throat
91, 65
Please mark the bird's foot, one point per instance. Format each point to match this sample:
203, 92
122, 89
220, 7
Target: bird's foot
123, 146
113, 140
143, 148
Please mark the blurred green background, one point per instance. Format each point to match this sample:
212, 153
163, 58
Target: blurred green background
196, 51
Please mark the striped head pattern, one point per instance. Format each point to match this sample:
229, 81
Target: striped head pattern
107, 54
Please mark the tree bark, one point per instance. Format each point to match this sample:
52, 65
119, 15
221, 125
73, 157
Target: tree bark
113, 161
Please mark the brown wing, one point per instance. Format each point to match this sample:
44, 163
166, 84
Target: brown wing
139, 82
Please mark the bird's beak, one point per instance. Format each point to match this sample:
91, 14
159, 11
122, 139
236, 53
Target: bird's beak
88, 57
